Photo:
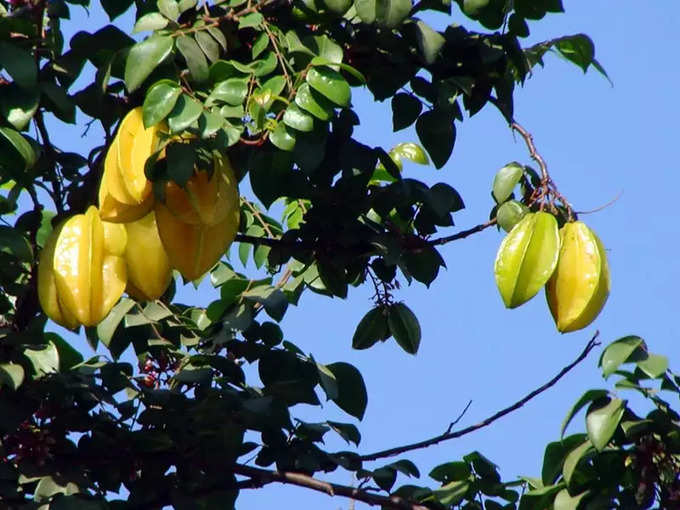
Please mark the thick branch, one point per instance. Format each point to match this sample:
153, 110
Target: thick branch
488, 421
259, 477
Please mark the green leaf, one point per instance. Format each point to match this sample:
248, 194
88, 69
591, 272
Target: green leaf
505, 180
11, 375
209, 123
18, 105
405, 110
14, 243
328, 382
260, 44
451, 472
107, 327
250, 20
588, 397
352, 397
411, 151
43, 358
387, 13
195, 59
563, 501
208, 45
150, 22
573, 458
144, 57
168, 8
555, 453
16, 153
654, 365
404, 327
68, 356
313, 102
115, 8
186, 111
159, 101
509, 213
181, 158
371, 328
437, 133
424, 264
602, 420
331, 84
579, 49
333, 278
231, 91
298, 119
282, 137
48, 487
617, 353
346, 430
430, 42
58, 101
452, 493
19, 64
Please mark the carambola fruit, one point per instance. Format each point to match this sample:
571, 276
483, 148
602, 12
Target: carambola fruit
579, 287
82, 273
124, 192
148, 266
527, 258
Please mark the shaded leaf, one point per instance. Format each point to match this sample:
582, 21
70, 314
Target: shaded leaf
352, 396
404, 327
372, 327
144, 57
602, 420
437, 133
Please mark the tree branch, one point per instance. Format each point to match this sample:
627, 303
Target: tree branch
462, 234
259, 477
488, 421
529, 140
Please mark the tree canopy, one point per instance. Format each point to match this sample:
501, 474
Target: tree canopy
200, 96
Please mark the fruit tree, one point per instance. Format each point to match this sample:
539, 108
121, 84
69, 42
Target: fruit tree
224, 151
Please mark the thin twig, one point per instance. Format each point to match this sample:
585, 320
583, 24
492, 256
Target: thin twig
462, 234
259, 217
529, 140
259, 477
279, 56
488, 421
597, 209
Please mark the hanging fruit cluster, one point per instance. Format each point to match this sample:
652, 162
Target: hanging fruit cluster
570, 262
133, 241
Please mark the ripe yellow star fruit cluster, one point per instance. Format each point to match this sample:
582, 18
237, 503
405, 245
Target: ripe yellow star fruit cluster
132, 242
570, 263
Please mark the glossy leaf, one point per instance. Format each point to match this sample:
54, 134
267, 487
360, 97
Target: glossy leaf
150, 22
144, 57
573, 458
186, 111
330, 83
195, 59
588, 397
505, 180
231, 91
602, 421
298, 118
159, 101
618, 353
313, 102
430, 42
404, 327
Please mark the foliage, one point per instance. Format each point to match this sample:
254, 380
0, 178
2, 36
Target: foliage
271, 81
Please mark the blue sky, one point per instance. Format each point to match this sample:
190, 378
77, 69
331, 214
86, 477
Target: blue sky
599, 141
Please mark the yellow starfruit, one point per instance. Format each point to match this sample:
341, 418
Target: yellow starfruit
148, 266
82, 271
205, 199
579, 287
125, 193
527, 258
197, 229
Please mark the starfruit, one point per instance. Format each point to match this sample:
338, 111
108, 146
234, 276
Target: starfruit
125, 193
207, 198
527, 258
196, 227
579, 287
82, 271
148, 266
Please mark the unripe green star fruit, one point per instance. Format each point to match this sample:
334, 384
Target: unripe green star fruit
82, 273
148, 265
527, 258
579, 287
509, 213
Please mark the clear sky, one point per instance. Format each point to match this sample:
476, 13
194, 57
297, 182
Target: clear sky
599, 141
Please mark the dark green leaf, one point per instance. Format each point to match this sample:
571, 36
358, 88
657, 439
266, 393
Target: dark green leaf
195, 59
15, 244
579, 49
430, 42
209, 46
107, 327
16, 153
209, 123
347, 431
372, 327
352, 397
405, 110
159, 101
388, 13
43, 358
115, 8
424, 264
252, 19
231, 91
452, 493
186, 111
438, 134
144, 57
19, 64
181, 158
573, 458
451, 472
404, 327
68, 355
282, 137
18, 105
